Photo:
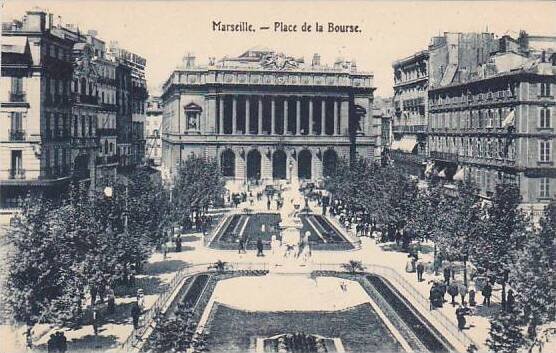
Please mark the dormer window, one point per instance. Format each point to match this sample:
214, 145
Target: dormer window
192, 116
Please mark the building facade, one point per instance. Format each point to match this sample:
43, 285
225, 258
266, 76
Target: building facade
63, 101
153, 125
131, 96
409, 122
264, 115
498, 127
35, 109
449, 58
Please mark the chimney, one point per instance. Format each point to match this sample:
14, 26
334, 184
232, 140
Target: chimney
543, 56
316, 60
50, 21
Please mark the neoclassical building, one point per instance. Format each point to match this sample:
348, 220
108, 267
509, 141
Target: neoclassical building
265, 115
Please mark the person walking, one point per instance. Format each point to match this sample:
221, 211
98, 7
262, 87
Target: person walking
268, 203
111, 300
447, 274
96, 320
260, 247
486, 292
510, 301
420, 271
453, 291
135, 313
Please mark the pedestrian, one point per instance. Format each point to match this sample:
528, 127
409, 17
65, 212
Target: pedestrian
462, 292
95, 320
178, 243
447, 274
487, 292
93, 295
420, 270
240, 246
510, 301
460, 316
111, 300
260, 247
135, 313
61, 342
268, 203
51, 344
472, 298
453, 291
141, 299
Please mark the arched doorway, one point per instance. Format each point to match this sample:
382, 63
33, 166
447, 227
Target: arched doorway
304, 162
279, 164
329, 162
81, 167
253, 165
228, 163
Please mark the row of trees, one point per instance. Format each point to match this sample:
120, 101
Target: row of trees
92, 240
496, 236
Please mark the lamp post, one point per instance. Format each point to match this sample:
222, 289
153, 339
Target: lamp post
290, 166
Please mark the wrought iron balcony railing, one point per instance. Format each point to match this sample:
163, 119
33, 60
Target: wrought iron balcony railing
17, 173
17, 135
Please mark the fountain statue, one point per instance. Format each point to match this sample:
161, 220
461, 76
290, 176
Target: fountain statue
291, 225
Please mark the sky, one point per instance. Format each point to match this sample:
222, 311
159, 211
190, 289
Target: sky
164, 31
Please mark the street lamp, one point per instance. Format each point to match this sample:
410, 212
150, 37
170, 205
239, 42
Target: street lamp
290, 166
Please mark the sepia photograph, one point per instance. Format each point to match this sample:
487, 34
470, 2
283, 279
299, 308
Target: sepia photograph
317, 176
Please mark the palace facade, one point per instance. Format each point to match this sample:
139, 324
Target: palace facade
264, 115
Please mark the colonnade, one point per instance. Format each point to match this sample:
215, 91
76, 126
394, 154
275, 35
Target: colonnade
280, 115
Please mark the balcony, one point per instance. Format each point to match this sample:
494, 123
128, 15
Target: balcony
444, 156
17, 173
85, 99
409, 128
102, 160
18, 97
17, 135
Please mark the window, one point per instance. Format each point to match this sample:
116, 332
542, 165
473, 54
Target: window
544, 187
544, 119
545, 89
105, 146
544, 150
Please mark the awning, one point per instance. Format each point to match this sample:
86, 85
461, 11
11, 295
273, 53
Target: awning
442, 173
14, 44
460, 174
406, 144
509, 120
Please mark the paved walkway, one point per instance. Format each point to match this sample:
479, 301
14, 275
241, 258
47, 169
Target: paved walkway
160, 271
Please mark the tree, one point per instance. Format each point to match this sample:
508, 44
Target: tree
503, 235
505, 334
198, 184
40, 283
462, 225
353, 266
533, 276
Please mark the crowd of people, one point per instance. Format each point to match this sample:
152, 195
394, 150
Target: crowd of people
300, 342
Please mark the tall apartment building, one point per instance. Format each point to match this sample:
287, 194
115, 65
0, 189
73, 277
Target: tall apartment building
35, 109
61, 98
498, 127
449, 58
132, 96
153, 136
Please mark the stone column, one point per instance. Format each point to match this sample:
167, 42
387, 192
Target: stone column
298, 117
323, 117
211, 115
285, 116
234, 115
260, 107
221, 101
311, 116
273, 115
344, 117
336, 128
247, 115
